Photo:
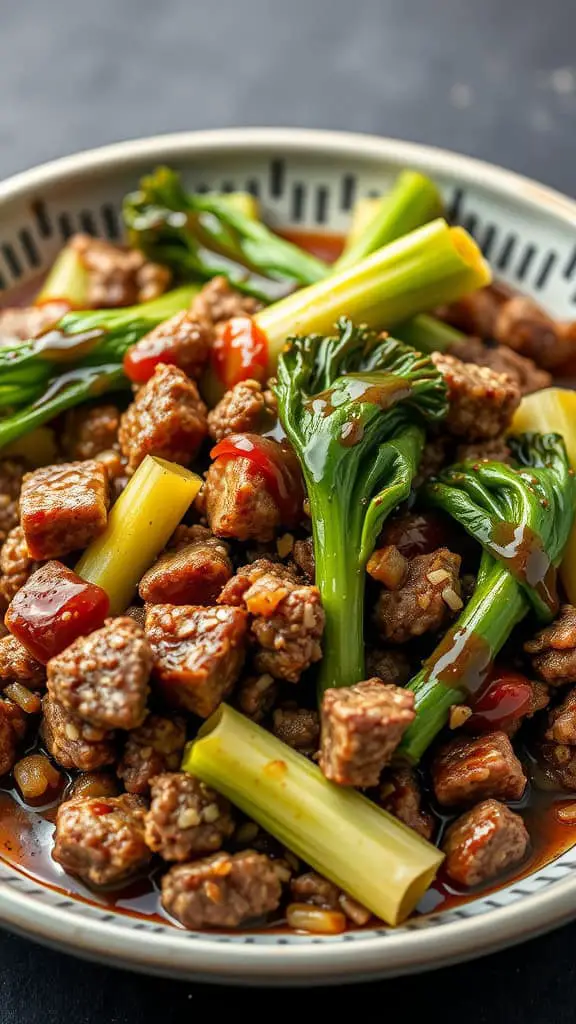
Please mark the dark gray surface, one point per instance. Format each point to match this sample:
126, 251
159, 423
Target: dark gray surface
495, 79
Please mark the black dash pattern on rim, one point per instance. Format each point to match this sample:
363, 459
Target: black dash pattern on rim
297, 202
110, 221
87, 222
29, 248
277, 178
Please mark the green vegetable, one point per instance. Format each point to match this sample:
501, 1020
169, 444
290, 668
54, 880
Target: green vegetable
80, 358
354, 408
67, 280
428, 334
522, 517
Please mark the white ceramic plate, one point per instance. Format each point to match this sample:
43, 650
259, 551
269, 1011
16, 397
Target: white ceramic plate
309, 180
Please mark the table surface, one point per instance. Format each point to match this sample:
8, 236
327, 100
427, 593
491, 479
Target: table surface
495, 80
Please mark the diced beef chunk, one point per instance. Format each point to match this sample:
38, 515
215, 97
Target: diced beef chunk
246, 409
400, 794
483, 843
523, 325
101, 839
562, 721
476, 312
103, 677
303, 555
182, 341
391, 666
16, 565
167, 418
88, 431
481, 402
361, 726
560, 760
221, 891
473, 768
192, 574
502, 359
425, 601
186, 817
63, 507
72, 742
17, 665
116, 276
495, 450
298, 727
11, 473
13, 723
217, 302
17, 323
155, 747
197, 653
238, 502
553, 649
287, 618
255, 695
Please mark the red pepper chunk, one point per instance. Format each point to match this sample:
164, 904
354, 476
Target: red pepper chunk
276, 462
140, 361
240, 352
507, 696
54, 608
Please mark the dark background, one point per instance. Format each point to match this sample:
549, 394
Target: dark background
495, 79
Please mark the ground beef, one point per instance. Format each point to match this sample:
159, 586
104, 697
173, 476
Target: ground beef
298, 727
434, 456
553, 649
186, 817
428, 598
21, 322
481, 402
560, 760
63, 507
90, 784
245, 409
221, 891
361, 726
103, 677
474, 768
11, 473
182, 341
167, 418
303, 555
502, 359
238, 503
16, 565
561, 726
314, 889
155, 747
101, 839
476, 313
400, 794
539, 699
13, 722
286, 618
88, 431
217, 302
118, 276
523, 325
197, 652
192, 574
255, 696
391, 666
72, 742
495, 450
18, 666
483, 843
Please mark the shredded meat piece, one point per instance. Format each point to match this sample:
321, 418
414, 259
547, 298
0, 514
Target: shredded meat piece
72, 742
186, 817
116, 276
400, 794
11, 473
17, 665
553, 649
217, 302
167, 418
484, 842
154, 747
473, 768
245, 409
63, 507
361, 726
221, 891
430, 595
88, 431
238, 503
16, 565
103, 677
495, 450
182, 341
101, 839
481, 402
303, 555
502, 359
13, 722
192, 574
298, 727
21, 322
391, 666
198, 653
562, 721
255, 696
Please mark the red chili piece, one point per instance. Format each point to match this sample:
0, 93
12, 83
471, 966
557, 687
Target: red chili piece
240, 352
277, 464
53, 608
140, 361
507, 697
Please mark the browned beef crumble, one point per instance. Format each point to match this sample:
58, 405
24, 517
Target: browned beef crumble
238, 503
218, 301
481, 402
426, 600
484, 842
101, 839
361, 726
255, 695
314, 889
390, 665
186, 817
72, 742
561, 726
17, 665
221, 891
247, 408
475, 768
553, 649
191, 574
13, 724
502, 359
88, 431
183, 340
11, 473
18, 323
560, 760
401, 795
118, 276
298, 727
16, 565
303, 555
90, 784
495, 450
63, 507
154, 747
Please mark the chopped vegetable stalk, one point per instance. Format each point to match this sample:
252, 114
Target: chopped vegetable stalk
244, 203
363, 212
139, 526
66, 282
39, 448
366, 851
428, 334
522, 517
353, 408
554, 410
413, 201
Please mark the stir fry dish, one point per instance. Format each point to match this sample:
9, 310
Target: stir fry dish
287, 568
